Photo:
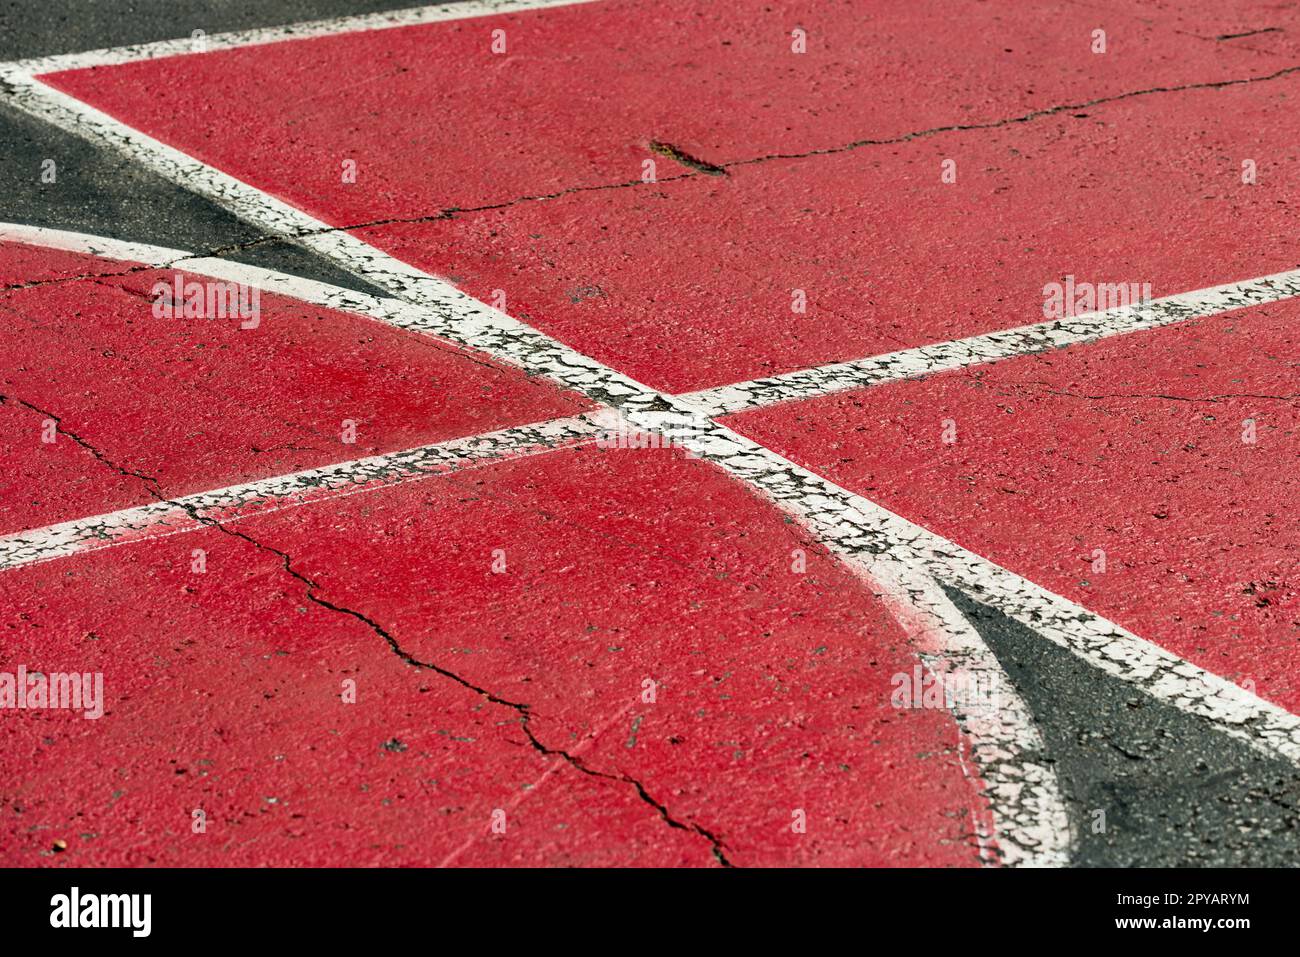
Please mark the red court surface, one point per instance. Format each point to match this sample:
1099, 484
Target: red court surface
818, 173
1134, 446
772, 688
689, 283
199, 404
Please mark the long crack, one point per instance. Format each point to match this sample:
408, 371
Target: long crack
1173, 398
697, 168
524, 710
1013, 120
312, 592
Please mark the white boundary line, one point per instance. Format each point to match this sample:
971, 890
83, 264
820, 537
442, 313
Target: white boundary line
850, 525
992, 346
338, 480
260, 36
101, 246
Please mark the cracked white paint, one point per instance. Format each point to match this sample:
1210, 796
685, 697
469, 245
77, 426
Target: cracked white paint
992, 346
1031, 825
857, 526
227, 505
906, 560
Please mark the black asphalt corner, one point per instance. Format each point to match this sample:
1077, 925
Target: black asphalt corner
1145, 784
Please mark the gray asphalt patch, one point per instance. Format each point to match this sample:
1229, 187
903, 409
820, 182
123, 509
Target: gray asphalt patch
1145, 784
103, 193
31, 28
100, 192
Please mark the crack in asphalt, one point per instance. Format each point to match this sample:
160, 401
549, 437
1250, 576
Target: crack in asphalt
1023, 118
686, 159
1176, 398
80, 277
312, 592
148, 480
1248, 33
523, 709
697, 167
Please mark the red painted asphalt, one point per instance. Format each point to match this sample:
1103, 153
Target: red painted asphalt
688, 284
198, 404
772, 687
1133, 446
621, 566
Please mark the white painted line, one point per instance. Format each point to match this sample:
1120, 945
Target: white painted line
226, 505
259, 36
439, 308
387, 310
85, 243
1031, 827
162, 257
855, 526
851, 526
993, 346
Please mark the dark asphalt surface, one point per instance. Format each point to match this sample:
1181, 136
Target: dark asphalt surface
101, 192
39, 28
1174, 792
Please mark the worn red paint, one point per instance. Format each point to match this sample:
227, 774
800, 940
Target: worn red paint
225, 696
627, 566
688, 283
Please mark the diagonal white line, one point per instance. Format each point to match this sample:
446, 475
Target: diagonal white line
259, 36
91, 245
992, 346
193, 512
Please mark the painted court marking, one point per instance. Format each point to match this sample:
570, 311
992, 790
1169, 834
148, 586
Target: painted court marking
902, 559
1032, 827
991, 346
193, 512
258, 36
